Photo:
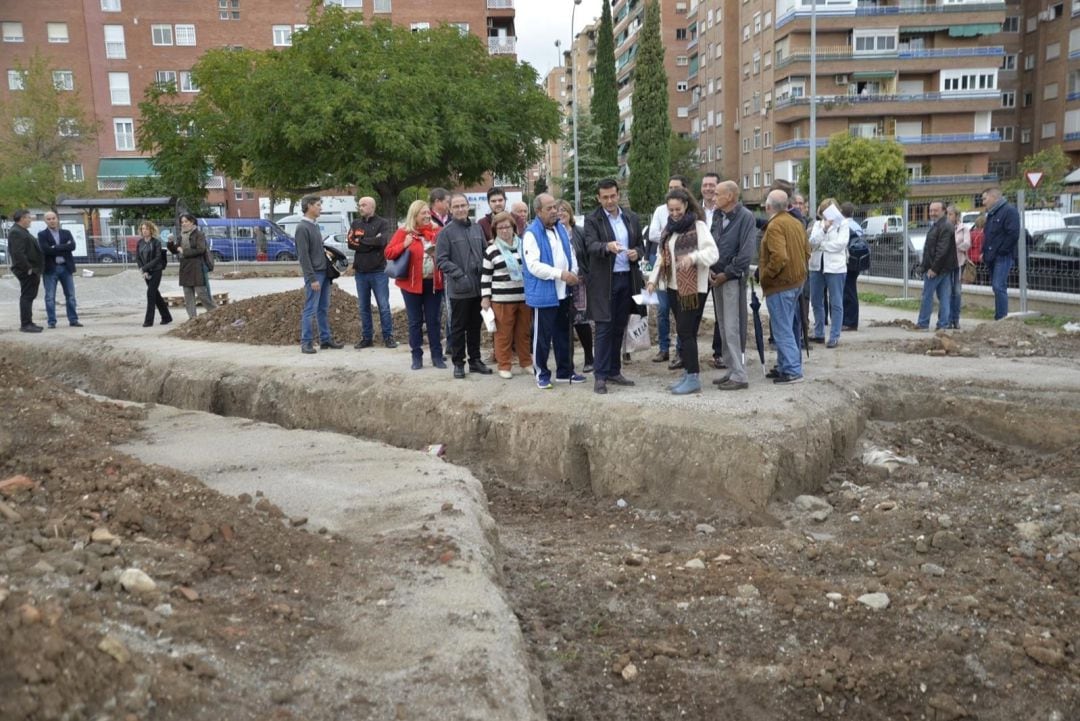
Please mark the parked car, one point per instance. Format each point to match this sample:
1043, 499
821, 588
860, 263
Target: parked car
1072, 220
1054, 261
329, 224
339, 241
885, 236
247, 239
3, 251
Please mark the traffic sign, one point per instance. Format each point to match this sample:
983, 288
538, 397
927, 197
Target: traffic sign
1033, 178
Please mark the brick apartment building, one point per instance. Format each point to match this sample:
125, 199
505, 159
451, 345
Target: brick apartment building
110, 51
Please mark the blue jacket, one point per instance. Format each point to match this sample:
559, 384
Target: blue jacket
53, 250
541, 293
1001, 232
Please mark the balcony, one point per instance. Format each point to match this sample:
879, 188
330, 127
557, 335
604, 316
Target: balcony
500, 4
792, 108
844, 53
874, 10
1072, 136
505, 45
935, 141
952, 179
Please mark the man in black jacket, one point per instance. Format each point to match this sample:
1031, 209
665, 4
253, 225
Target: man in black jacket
368, 236
938, 264
459, 253
27, 263
57, 244
613, 241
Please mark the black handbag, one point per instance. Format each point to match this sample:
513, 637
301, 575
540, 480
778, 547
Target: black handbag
336, 262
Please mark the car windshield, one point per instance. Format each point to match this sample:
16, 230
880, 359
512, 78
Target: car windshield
1051, 242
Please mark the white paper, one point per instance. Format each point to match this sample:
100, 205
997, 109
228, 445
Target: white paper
489, 319
646, 298
833, 213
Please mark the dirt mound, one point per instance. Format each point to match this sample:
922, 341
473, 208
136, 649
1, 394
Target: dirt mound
226, 598
1007, 338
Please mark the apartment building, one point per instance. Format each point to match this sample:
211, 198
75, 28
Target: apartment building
559, 85
110, 51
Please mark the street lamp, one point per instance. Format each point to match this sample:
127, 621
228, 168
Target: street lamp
573, 79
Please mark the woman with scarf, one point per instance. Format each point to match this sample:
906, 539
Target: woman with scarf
582, 325
151, 259
422, 288
502, 289
192, 250
686, 251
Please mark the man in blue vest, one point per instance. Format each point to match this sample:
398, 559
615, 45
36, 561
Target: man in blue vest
550, 270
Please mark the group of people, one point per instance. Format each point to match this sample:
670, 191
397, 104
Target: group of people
47, 259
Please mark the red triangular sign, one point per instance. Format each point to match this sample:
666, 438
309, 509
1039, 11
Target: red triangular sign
1033, 178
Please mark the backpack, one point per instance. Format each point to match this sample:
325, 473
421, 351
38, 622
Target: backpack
858, 250
356, 235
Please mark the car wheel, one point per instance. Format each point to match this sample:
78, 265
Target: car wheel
106, 259
218, 257
285, 256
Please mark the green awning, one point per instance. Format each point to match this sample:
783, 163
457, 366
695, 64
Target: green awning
970, 31
873, 74
919, 29
120, 168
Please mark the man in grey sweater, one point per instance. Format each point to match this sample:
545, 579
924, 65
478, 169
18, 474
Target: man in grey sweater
735, 235
309, 250
459, 253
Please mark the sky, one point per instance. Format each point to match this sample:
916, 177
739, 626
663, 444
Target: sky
540, 22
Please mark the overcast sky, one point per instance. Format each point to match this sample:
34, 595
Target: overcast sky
540, 22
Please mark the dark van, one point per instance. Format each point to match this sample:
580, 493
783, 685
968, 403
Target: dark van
247, 239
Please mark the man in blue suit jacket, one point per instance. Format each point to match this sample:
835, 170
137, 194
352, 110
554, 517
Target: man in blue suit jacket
57, 245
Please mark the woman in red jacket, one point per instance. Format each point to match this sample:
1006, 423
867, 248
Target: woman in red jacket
422, 288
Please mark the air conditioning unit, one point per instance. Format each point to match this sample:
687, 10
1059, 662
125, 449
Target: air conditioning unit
1047, 15
841, 79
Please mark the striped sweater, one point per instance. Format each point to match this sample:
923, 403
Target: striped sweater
495, 280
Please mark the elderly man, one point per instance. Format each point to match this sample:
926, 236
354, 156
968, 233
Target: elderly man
735, 234
27, 263
938, 264
1000, 235
57, 244
550, 270
459, 253
520, 211
783, 263
368, 236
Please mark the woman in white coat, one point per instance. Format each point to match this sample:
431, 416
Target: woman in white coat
686, 251
828, 271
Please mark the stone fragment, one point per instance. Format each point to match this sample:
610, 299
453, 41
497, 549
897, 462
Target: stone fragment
947, 541
29, 614
188, 593
1047, 651
807, 504
634, 559
102, 535
695, 564
134, 580
629, 672
1030, 530
876, 601
932, 569
704, 529
115, 648
15, 484
297, 521
820, 516
747, 590
945, 707
200, 532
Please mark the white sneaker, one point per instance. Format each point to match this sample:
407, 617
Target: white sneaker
506, 374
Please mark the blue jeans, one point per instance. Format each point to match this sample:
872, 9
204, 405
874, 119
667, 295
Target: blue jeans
316, 305
819, 281
663, 325
379, 284
782, 307
424, 309
999, 281
954, 301
941, 286
62, 274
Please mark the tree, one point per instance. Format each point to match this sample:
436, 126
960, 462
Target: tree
684, 158
604, 107
649, 159
593, 165
1054, 165
42, 130
859, 170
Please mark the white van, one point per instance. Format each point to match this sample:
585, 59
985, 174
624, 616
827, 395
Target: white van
329, 224
882, 224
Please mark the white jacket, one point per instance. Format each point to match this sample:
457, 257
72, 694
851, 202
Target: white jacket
706, 254
830, 245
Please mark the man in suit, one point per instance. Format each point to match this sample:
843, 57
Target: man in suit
613, 241
57, 244
27, 263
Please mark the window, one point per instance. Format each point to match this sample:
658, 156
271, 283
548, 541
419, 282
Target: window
682, 60
1011, 24
757, 62
1008, 99
187, 84
757, 23
57, 32
462, 28
16, 80
680, 33
73, 172
1008, 62
1050, 91
745, 32
185, 35
1049, 130
1005, 133
1053, 51
746, 145
114, 42
874, 41
228, 9
119, 89
1001, 168
768, 18
22, 126
719, 50
346, 3
417, 27
757, 176
282, 35
382, 6
682, 112
746, 109
161, 34
63, 79
767, 60
766, 179
238, 191
124, 132
12, 32
1029, 61
1027, 99
768, 139
757, 138
968, 80
1025, 135
67, 128
746, 182
165, 77
681, 86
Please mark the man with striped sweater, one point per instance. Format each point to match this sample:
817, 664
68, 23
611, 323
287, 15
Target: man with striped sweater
502, 289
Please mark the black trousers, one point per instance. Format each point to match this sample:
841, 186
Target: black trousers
465, 324
686, 326
154, 299
28, 290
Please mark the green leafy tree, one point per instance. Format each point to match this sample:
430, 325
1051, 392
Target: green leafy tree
604, 107
650, 159
859, 170
684, 158
1054, 165
42, 129
593, 165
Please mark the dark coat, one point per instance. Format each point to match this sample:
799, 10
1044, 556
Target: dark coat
1001, 233
24, 253
191, 259
939, 251
370, 256
598, 234
54, 250
150, 256
459, 254
577, 242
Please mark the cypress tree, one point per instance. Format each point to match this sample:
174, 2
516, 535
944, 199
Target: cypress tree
604, 108
650, 142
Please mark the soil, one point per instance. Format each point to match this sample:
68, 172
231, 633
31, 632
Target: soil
230, 617
1008, 338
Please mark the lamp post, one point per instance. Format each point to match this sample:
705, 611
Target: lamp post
574, 96
812, 200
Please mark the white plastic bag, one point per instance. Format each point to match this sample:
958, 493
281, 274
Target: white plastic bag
489, 319
637, 334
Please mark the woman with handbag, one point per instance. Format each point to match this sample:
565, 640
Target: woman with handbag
151, 259
190, 245
965, 269
582, 325
421, 283
686, 251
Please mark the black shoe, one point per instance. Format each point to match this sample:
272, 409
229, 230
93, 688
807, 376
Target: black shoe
479, 367
439, 363
773, 373
600, 387
676, 363
417, 363
718, 363
363, 344
331, 345
730, 385
307, 348
31, 328
815, 339
661, 357
389, 343
166, 321
147, 325
722, 379
459, 371
620, 380
76, 324
787, 380
52, 326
